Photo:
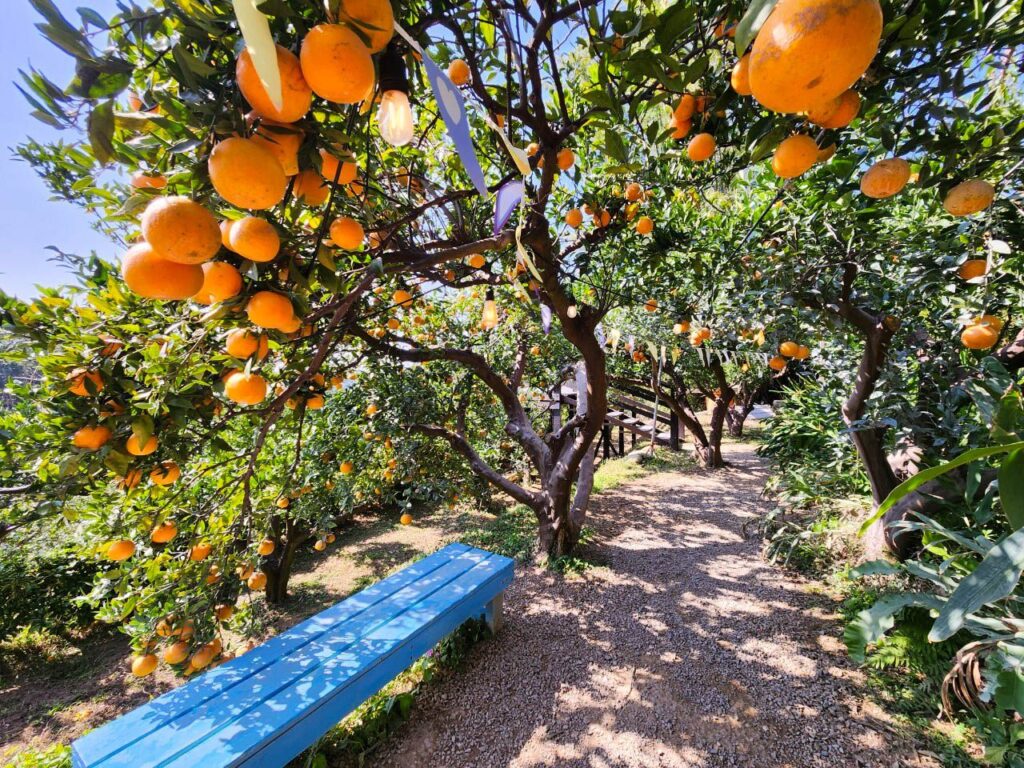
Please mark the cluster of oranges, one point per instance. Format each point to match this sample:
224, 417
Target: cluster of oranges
788, 349
634, 194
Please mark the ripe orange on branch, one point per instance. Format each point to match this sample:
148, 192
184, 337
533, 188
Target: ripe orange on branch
644, 225
120, 550
221, 281
310, 188
242, 343
246, 174
282, 140
885, 178
810, 51
181, 230
347, 233
164, 532
969, 197
374, 18
245, 388
151, 276
740, 76
254, 238
701, 147
574, 218
91, 438
165, 474
794, 156
838, 112
269, 309
458, 72
296, 94
137, 448
335, 169
336, 64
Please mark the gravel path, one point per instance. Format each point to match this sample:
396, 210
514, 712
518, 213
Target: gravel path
686, 649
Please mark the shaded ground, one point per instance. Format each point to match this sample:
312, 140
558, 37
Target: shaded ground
685, 649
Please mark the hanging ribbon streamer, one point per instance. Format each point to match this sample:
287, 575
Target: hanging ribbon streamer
519, 156
614, 335
676, 354
452, 107
545, 317
600, 334
508, 197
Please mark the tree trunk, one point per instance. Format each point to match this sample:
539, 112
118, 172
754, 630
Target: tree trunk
714, 458
278, 567
558, 533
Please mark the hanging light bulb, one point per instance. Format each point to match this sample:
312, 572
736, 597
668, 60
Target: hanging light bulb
394, 115
571, 311
490, 318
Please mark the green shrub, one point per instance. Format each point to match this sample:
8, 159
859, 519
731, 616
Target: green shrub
39, 589
57, 756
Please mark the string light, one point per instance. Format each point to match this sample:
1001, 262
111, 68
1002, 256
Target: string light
394, 115
490, 317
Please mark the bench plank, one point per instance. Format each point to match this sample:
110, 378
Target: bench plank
206, 721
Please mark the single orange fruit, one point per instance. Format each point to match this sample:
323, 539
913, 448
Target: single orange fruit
142, 180
838, 112
644, 225
164, 532
269, 309
885, 178
91, 438
176, 653
346, 467
574, 218
120, 550
257, 581
200, 551
810, 51
405, 519
794, 156
701, 147
336, 64
651, 305
777, 363
458, 72
256, 239
246, 174
168, 472
979, 336
245, 388
566, 159
969, 197
477, 261
266, 547
310, 188
151, 276
296, 94
740, 77
143, 665
374, 18
243, 343
685, 108
347, 233
135, 448
335, 170
224, 612
221, 281
789, 348
181, 230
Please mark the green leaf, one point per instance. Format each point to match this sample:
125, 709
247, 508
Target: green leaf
992, 580
672, 23
614, 147
751, 22
101, 131
142, 428
874, 568
871, 623
1009, 692
1011, 488
922, 477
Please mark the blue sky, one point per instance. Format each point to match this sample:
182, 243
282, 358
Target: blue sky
31, 220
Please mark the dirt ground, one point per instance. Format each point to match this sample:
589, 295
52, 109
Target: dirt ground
684, 649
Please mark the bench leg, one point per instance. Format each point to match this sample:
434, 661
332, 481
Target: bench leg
493, 613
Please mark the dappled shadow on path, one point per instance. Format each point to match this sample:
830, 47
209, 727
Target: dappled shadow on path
687, 649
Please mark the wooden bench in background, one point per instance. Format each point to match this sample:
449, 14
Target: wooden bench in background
267, 706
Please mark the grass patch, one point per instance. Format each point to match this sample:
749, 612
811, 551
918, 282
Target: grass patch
615, 472
57, 756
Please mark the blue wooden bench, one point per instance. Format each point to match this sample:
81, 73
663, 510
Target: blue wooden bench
267, 706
